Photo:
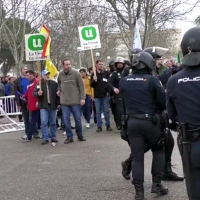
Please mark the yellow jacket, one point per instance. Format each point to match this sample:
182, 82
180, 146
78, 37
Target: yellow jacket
88, 89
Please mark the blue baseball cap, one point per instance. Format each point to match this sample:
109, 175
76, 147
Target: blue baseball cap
45, 72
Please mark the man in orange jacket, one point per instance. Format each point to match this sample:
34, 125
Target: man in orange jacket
32, 104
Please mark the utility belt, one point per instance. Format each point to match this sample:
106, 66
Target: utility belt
155, 119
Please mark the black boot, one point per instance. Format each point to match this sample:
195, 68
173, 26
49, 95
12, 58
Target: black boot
169, 175
126, 170
139, 189
157, 187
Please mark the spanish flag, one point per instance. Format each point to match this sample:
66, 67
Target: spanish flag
46, 50
51, 68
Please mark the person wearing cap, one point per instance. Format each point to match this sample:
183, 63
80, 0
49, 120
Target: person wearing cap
48, 102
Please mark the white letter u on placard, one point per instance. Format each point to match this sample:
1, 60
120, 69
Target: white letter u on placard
37, 43
88, 34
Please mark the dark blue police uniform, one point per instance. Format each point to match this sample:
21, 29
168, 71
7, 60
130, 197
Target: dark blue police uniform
143, 95
183, 106
113, 82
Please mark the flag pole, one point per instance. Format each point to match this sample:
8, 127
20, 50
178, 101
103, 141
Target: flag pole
93, 63
38, 64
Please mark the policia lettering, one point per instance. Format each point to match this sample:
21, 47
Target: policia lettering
142, 123
188, 111
157, 52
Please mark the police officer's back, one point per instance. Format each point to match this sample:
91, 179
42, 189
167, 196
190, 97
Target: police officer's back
183, 105
143, 94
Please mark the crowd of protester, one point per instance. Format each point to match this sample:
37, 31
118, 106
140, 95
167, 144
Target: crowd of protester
42, 108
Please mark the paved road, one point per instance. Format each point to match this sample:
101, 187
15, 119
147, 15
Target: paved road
80, 171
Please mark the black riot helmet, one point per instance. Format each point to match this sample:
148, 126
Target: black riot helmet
133, 52
112, 62
127, 62
143, 60
111, 65
190, 46
156, 52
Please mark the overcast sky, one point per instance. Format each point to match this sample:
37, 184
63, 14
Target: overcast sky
184, 25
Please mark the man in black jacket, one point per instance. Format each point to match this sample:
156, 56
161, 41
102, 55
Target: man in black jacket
101, 98
48, 102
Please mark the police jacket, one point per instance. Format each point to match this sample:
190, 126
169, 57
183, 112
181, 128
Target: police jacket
162, 77
101, 87
115, 78
126, 71
142, 93
183, 96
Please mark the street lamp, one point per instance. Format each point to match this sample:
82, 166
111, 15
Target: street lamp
11, 71
97, 54
108, 59
79, 49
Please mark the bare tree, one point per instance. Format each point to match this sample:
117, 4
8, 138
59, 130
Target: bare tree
64, 18
25, 17
197, 20
154, 15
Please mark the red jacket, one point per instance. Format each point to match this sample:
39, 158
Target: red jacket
31, 100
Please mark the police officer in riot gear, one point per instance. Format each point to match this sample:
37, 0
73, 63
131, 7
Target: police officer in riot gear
157, 53
113, 82
128, 69
112, 102
183, 106
142, 95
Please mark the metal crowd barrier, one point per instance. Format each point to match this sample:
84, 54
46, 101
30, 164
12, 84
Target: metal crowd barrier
8, 109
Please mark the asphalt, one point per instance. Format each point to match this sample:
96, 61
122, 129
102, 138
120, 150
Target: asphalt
79, 171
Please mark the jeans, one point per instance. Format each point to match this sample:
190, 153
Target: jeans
33, 118
86, 109
25, 115
48, 117
99, 104
76, 112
